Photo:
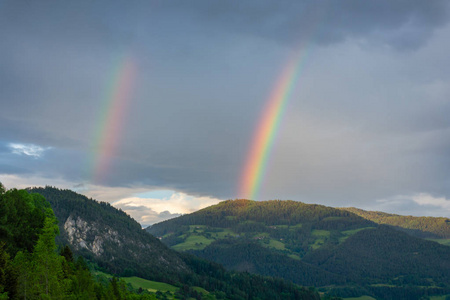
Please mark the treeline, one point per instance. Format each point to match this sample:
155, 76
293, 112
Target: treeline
232, 213
385, 255
65, 202
249, 256
423, 227
31, 267
388, 263
242, 285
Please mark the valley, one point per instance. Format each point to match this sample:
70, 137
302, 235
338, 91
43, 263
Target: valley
335, 250
239, 249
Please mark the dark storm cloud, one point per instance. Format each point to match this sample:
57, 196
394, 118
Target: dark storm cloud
401, 24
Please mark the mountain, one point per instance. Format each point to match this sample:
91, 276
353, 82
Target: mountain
115, 242
108, 236
424, 227
335, 249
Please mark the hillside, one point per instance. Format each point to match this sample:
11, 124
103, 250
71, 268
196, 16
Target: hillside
117, 243
311, 245
108, 236
383, 258
32, 268
288, 227
424, 227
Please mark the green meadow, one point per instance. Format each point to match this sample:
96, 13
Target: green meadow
321, 237
193, 242
152, 286
445, 242
348, 233
275, 244
137, 282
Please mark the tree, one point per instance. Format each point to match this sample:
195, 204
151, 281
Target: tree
8, 278
47, 264
22, 264
67, 254
22, 217
2, 189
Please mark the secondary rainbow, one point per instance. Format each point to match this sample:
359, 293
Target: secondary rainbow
267, 128
112, 119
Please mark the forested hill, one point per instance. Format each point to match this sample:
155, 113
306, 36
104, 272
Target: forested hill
425, 227
245, 213
108, 236
312, 245
117, 243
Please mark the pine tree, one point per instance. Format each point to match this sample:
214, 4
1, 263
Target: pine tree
8, 277
47, 264
22, 264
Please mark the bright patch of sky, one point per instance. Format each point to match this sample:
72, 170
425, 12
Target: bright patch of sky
155, 209
27, 149
160, 194
421, 204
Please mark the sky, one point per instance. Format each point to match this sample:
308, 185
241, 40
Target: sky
154, 106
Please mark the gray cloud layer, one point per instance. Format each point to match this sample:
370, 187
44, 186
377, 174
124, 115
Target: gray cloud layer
367, 120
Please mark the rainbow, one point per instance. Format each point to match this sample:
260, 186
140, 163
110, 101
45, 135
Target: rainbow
267, 128
112, 119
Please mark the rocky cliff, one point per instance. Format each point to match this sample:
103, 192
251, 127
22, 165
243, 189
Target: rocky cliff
109, 237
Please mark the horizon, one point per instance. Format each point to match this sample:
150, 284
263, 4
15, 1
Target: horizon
135, 211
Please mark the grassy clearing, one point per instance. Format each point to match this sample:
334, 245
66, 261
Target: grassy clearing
260, 235
321, 237
137, 282
317, 244
276, 244
445, 242
293, 256
193, 242
197, 228
101, 274
296, 226
321, 233
438, 297
279, 226
382, 285
152, 286
200, 290
223, 234
353, 231
349, 233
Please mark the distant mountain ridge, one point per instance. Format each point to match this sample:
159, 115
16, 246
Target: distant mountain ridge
310, 244
424, 227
